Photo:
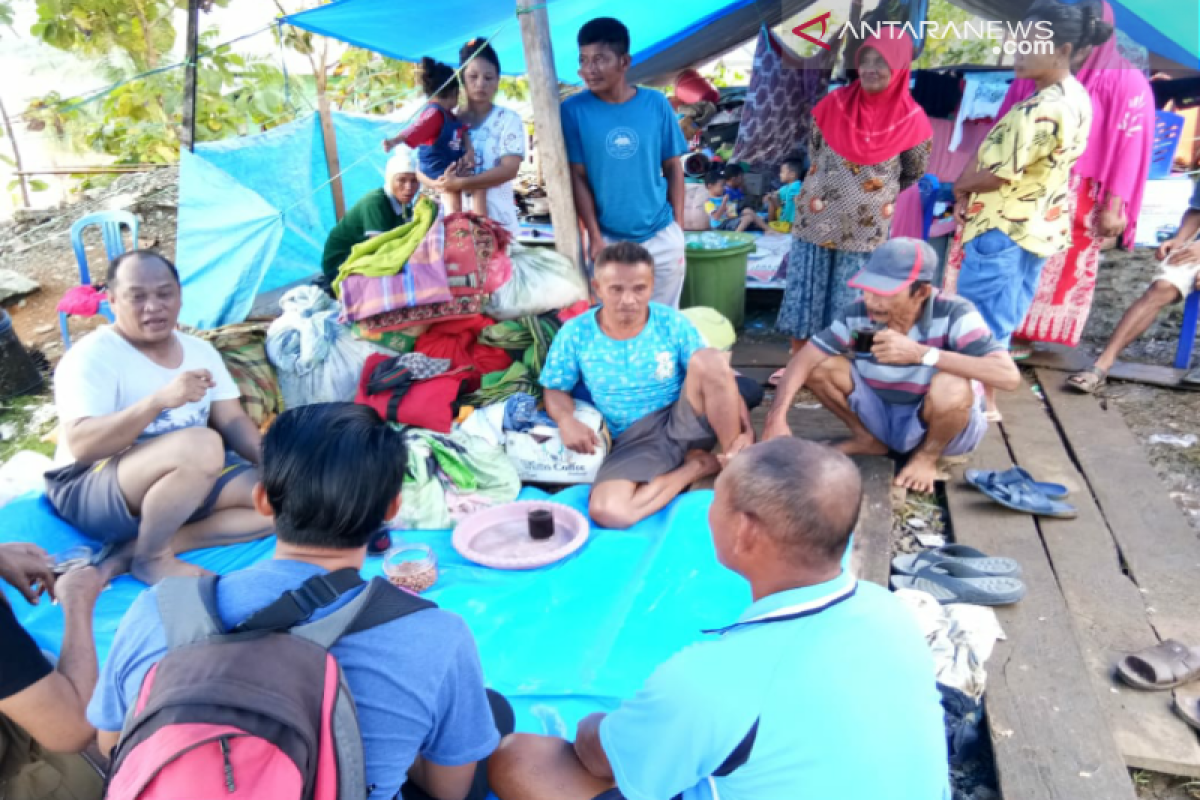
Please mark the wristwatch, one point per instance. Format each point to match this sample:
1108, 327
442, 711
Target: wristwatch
930, 359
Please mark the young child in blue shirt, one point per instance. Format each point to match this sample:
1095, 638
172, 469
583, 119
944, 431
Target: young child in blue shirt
441, 139
782, 204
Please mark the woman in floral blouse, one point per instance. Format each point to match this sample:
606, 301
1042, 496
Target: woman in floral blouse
870, 141
497, 135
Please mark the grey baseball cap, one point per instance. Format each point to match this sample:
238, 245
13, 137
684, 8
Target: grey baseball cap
895, 264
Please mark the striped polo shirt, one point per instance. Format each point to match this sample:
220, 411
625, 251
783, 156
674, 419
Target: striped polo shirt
949, 323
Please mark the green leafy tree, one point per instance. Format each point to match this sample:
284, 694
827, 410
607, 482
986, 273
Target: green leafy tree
138, 120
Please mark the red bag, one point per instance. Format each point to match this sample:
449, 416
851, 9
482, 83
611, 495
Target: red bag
458, 340
476, 254
426, 404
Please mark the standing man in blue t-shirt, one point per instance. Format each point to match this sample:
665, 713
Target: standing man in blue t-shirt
624, 146
824, 688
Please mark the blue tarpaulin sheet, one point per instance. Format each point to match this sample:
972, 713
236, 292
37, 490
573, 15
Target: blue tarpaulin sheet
560, 642
254, 211
408, 32
1170, 28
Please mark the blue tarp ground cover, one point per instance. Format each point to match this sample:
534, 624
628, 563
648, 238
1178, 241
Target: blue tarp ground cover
254, 212
560, 642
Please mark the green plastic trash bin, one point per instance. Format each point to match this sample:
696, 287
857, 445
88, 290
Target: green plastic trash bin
716, 272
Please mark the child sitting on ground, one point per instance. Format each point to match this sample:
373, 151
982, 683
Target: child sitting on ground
722, 211
735, 184
782, 204
441, 139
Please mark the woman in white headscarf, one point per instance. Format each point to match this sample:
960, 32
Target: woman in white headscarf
377, 212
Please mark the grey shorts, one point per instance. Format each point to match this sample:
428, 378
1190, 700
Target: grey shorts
657, 444
901, 428
89, 497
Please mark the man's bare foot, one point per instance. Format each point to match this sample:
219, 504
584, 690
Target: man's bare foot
919, 473
117, 562
863, 446
152, 570
704, 462
743, 441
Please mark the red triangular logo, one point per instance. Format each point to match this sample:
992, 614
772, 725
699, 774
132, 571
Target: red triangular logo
824, 20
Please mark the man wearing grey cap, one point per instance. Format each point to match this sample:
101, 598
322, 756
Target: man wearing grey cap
901, 367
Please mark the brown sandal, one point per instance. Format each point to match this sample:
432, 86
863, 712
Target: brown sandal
1164, 666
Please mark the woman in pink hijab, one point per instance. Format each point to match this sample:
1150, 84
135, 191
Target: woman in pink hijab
1106, 186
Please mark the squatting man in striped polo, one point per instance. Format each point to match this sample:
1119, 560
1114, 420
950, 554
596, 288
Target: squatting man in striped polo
903, 367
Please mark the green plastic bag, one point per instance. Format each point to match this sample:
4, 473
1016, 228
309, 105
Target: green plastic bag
452, 476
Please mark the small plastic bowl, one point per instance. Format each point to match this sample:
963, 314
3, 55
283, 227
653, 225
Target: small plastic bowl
412, 567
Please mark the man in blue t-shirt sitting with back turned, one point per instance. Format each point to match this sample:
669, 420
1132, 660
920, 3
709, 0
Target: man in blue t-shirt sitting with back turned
667, 398
823, 689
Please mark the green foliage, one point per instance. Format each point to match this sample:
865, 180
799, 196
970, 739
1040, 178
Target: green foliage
722, 76
370, 83
946, 50
139, 120
6, 13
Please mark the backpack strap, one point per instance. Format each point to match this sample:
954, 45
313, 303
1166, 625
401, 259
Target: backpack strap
297, 605
188, 608
379, 603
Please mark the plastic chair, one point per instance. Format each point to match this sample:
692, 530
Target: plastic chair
110, 223
1187, 334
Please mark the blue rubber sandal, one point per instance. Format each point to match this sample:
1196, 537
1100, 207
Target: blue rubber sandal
949, 582
982, 477
1024, 497
957, 554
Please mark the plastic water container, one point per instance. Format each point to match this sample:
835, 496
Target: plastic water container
1168, 128
716, 272
18, 374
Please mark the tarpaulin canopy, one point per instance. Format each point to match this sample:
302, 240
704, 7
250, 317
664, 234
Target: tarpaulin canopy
665, 37
254, 212
1167, 28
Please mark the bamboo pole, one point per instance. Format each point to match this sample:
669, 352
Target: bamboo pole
187, 137
552, 147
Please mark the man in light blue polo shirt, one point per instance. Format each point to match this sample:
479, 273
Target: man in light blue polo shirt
624, 145
824, 688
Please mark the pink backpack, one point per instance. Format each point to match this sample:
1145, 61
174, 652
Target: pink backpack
261, 711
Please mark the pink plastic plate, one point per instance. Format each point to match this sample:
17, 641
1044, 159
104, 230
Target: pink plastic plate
499, 537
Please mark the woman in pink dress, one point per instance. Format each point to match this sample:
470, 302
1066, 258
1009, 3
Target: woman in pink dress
1106, 186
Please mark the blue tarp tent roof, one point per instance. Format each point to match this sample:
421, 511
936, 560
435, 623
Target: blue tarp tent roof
667, 37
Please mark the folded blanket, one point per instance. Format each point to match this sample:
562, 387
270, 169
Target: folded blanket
387, 253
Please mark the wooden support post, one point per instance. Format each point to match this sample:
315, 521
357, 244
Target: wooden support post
187, 136
552, 148
8, 131
331, 156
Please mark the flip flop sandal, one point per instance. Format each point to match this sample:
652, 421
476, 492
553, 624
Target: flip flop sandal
981, 477
1089, 381
1020, 352
957, 583
1168, 664
1024, 497
1189, 709
958, 554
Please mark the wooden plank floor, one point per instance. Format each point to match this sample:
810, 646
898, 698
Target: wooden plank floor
1107, 609
1065, 359
1049, 733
